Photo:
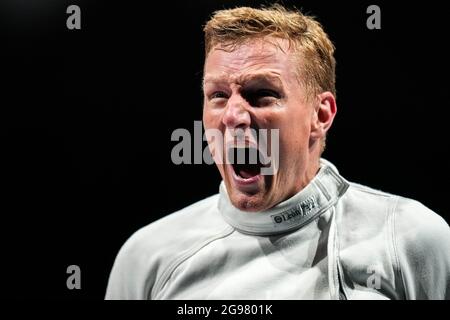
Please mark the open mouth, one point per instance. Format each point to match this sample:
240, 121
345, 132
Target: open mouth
246, 161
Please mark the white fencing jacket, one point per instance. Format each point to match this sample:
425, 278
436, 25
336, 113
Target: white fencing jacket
332, 240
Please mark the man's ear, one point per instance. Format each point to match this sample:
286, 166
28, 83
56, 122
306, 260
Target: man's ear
325, 110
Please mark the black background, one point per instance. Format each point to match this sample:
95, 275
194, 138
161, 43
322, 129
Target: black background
87, 115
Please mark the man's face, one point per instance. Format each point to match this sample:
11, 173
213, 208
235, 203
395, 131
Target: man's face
256, 86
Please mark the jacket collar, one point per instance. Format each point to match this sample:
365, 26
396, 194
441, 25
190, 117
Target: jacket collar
319, 195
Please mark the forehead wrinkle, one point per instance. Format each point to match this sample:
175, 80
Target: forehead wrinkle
250, 59
215, 79
241, 73
270, 76
242, 79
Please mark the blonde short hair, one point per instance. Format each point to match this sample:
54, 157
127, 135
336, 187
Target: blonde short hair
234, 26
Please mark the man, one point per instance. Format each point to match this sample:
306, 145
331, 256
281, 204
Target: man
302, 232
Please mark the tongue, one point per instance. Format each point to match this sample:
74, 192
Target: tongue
248, 172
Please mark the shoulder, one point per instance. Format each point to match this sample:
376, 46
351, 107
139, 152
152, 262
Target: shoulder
411, 219
422, 243
365, 208
419, 229
175, 228
152, 249
370, 192
418, 236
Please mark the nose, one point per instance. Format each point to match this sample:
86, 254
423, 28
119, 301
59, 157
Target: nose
236, 115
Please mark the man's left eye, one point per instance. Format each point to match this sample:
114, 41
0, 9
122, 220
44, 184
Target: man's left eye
267, 93
262, 97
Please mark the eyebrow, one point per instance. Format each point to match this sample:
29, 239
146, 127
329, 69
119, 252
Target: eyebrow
271, 78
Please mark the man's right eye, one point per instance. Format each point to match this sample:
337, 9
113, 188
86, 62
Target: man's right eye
218, 95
